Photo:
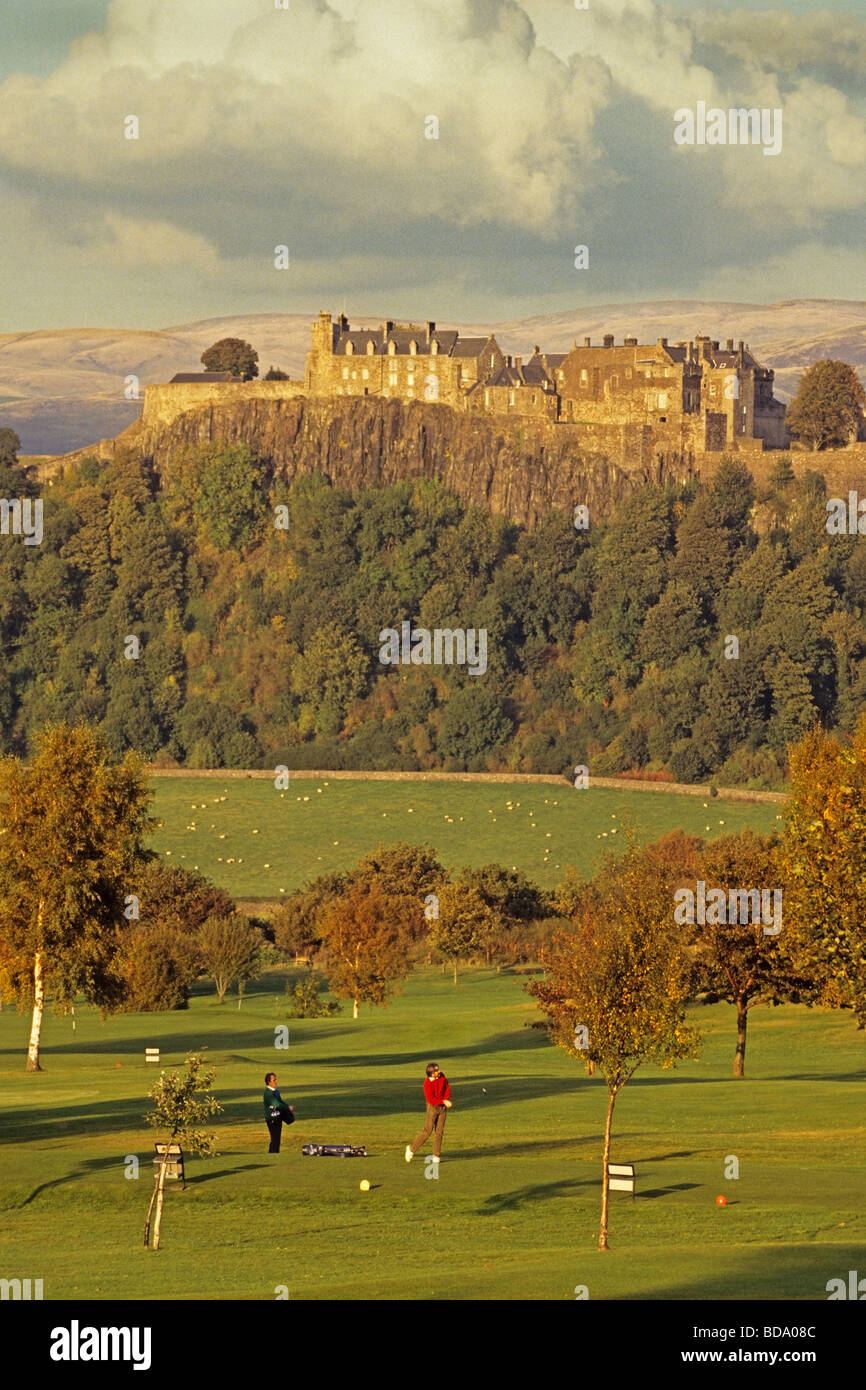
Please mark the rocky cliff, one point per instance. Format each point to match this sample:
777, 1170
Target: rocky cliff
520, 469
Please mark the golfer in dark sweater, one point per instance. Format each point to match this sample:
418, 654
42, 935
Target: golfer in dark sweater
437, 1094
276, 1112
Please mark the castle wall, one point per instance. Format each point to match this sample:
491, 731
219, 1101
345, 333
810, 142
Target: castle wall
165, 402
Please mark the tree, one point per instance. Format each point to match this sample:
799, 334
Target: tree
367, 939
159, 965
71, 825
329, 674
824, 862
467, 924
169, 892
229, 501
614, 990
176, 1114
275, 374
296, 921
231, 355
735, 960
230, 950
829, 404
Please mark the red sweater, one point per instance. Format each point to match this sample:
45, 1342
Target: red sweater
437, 1091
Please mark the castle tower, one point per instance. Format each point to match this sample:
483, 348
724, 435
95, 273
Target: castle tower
321, 351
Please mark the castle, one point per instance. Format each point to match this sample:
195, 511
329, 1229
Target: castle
688, 397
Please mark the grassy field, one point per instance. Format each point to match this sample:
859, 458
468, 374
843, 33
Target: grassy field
514, 1213
258, 842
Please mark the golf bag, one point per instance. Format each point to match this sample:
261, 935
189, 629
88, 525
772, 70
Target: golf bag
334, 1150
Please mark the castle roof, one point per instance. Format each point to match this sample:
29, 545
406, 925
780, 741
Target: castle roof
203, 376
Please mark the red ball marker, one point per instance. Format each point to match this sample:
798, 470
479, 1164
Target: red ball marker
721, 1201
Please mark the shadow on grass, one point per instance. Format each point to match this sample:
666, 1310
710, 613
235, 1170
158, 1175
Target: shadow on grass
512, 1201
84, 1170
652, 1192
224, 1173
177, 1044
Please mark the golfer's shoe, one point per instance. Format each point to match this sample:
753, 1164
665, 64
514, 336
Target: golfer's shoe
408, 1155
435, 1158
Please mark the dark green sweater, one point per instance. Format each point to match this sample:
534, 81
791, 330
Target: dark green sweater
273, 1102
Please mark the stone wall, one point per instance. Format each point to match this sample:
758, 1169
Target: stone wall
163, 403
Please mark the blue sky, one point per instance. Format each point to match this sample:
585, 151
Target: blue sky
308, 128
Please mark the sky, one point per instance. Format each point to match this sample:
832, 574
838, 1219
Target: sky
308, 127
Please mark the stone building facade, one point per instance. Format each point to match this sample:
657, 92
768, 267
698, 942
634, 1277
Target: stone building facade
688, 397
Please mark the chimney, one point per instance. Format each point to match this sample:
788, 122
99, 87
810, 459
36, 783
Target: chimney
608, 340
729, 345
536, 349
344, 323
715, 346
689, 350
431, 329
518, 362
661, 342
631, 342
587, 342
388, 326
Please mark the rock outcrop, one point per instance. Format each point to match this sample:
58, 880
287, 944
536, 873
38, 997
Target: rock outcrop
519, 469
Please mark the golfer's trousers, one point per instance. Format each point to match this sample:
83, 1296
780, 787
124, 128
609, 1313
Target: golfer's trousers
434, 1122
275, 1128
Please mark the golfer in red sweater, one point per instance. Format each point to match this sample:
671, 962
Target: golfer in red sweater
437, 1093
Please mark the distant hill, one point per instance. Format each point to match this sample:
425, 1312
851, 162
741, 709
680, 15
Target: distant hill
63, 389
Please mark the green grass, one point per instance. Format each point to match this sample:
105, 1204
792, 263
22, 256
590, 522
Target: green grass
320, 826
513, 1215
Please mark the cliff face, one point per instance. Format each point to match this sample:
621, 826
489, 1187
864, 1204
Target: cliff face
520, 469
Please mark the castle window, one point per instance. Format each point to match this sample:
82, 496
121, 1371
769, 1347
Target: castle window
392, 347
370, 345
487, 394
350, 348
584, 376
511, 398
365, 374
533, 398
434, 348
413, 347
628, 371
492, 360
392, 377
663, 400
345, 373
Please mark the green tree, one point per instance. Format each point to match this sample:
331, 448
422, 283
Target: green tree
230, 501
466, 926
614, 989
828, 407
231, 355
71, 826
178, 1111
230, 950
159, 965
328, 676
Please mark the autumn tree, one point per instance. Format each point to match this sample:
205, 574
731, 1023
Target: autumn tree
823, 857
367, 936
178, 1112
829, 404
71, 826
231, 355
744, 962
615, 988
230, 950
